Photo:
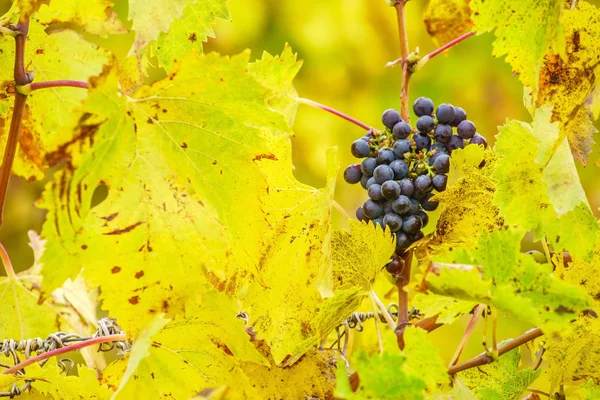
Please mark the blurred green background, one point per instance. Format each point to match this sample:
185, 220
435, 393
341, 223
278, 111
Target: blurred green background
345, 45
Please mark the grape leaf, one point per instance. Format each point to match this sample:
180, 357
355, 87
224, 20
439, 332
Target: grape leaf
50, 110
186, 355
568, 82
495, 272
60, 386
190, 31
541, 193
446, 20
29, 7
592, 390
524, 32
501, 379
93, 16
447, 310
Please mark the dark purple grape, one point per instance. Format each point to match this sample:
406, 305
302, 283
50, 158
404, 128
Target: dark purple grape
372, 209
400, 169
423, 106
414, 207
390, 190
460, 116
353, 174
364, 180
360, 148
370, 182
456, 142
387, 207
401, 205
445, 113
439, 182
424, 218
383, 173
367, 166
401, 147
422, 142
401, 130
423, 183
390, 118
407, 187
360, 214
428, 204
378, 221
466, 129
434, 157
478, 139
443, 133
395, 266
402, 242
438, 147
393, 221
417, 236
385, 155
425, 124
412, 224
442, 164
375, 192
419, 195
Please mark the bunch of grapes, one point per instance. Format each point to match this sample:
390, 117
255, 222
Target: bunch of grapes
402, 166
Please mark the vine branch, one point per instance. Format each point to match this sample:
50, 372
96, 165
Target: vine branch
439, 50
333, 111
401, 283
10, 272
58, 83
403, 36
483, 358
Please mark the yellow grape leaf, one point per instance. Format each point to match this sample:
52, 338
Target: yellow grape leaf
49, 110
203, 129
359, 254
29, 7
93, 16
189, 31
60, 386
446, 20
466, 205
501, 379
448, 310
184, 356
524, 32
569, 82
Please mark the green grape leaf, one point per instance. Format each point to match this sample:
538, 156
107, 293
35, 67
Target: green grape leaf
524, 32
50, 110
186, 355
188, 32
501, 380
94, 16
446, 20
395, 374
447, 310
495, 272
541, 193
591, 389
569, 83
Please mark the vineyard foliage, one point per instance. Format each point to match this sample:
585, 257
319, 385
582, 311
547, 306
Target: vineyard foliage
225, 271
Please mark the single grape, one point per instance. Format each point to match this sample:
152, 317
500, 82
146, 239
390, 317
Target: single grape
422, 142
417, 236
401, 147
400, 169
378, 221
360, 148
445, 113
460, 116
402, 242
424, 218
370, 182
443, 133
401, 205
414, 207
423, 183
390, 190
456, 142
372, 209
439, 182
387, 207
412, 224
374, 192
395, 266
425, 124
385, 155
383, 173
428, 204
390, 118
434, 157
439, 148
466, 129
366, 138
478, 139
364, 180
393, 221
442, 164
407, 187
401, 130
360, 214
353, 174
423, 106
419, 195
367, 166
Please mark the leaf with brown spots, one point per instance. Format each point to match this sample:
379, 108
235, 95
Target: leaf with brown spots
447, 19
